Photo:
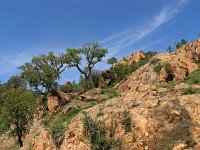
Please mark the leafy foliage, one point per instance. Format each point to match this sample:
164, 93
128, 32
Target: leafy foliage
110, 91
190, 90
57, 123
43, 72
127, 123
17, 111
120, 71
194, 77
68, 87
158, 68
112, 61
178, 45
92, 54
15, 82
169, 71
167, 68
97, 134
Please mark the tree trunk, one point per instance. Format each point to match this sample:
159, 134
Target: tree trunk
20, 140
19, 134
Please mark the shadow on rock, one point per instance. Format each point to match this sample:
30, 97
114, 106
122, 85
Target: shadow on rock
173, 122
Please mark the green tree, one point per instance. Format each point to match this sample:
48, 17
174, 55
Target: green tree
17, 112
15, 82
181, 43
90, 54
170, 49
177, 45
43, 72
112, 61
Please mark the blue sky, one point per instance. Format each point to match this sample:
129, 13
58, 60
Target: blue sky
32, 27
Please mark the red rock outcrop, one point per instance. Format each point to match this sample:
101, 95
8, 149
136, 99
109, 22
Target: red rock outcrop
53, 103
135, 57
182, 62
38, 139
161, 118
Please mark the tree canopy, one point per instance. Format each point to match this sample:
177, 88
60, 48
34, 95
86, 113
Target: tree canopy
43, 72
17, 112
112, 61
90, 54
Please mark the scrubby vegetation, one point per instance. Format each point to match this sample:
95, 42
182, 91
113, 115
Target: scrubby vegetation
127, 123
110, 91
17, 108
57, 124
120, 71
178, 45
96, 133
194, 77
158, 68
167, 68
190, 90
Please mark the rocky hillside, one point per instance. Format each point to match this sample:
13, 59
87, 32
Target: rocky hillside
157, 108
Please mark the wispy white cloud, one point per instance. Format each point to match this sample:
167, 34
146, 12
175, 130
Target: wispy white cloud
122, 40
10, 62
115, 42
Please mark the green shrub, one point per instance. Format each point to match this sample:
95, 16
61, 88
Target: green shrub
127, 123
110, 91
189, 91
97, 134
167, 68
150, 54
57, 123
154, 61
193, 78
157, 68
169, 71
68, 87
119, 72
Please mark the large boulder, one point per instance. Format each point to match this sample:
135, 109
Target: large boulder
53, 103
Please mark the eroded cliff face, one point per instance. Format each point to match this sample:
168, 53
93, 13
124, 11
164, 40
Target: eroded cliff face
161, 118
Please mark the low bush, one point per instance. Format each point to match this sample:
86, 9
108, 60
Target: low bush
120, 71
57, 123
127, 123
68, 87
194, 77
97, 134
110, 91
167, 68
158, 68
169, 71
189, 91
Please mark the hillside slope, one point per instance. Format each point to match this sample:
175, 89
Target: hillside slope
161, 118
158, 108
